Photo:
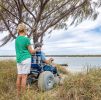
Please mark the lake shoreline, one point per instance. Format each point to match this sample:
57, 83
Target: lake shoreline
58, 55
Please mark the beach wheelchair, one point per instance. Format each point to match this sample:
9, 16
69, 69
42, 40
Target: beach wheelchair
45, 75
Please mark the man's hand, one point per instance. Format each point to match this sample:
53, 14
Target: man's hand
51, 59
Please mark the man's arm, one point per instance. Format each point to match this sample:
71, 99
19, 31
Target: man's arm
47, 61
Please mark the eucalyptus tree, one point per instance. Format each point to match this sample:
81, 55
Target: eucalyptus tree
43, 16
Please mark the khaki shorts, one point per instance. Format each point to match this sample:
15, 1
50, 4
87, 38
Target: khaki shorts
24, 67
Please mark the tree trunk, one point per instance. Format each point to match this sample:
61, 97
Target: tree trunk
41, 38
35, 38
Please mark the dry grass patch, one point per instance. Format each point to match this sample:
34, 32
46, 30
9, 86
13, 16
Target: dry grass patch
78, 86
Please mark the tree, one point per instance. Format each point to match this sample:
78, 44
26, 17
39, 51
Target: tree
43, 16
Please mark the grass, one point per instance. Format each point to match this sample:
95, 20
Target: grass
78, 86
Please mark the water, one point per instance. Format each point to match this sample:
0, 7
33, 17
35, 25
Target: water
75, 63
79, 63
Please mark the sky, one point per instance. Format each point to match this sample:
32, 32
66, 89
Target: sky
82, 39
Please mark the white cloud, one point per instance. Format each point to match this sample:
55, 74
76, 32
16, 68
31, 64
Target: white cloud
76, 40
82, 39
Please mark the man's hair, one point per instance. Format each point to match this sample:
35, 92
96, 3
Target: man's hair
21, 28
38, 44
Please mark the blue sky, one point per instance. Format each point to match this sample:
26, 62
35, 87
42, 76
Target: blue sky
82, 39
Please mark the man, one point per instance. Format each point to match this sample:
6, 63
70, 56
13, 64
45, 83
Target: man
23, 57
47, 63
43, 58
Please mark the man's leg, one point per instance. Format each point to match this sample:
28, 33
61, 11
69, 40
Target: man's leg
23, 82
18, 84
55, 70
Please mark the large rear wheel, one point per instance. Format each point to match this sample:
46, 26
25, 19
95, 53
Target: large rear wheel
46, 81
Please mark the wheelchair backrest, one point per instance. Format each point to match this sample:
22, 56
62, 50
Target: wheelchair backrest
36, 60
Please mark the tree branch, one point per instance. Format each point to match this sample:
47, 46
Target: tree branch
28, 10
7, 26
56, 20
14, 15
72, 9
54, 10
6, 39
42, 6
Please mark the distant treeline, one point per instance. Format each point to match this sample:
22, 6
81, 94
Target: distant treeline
59, 56
73, 55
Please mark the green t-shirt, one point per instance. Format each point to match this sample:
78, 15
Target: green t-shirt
21, 47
